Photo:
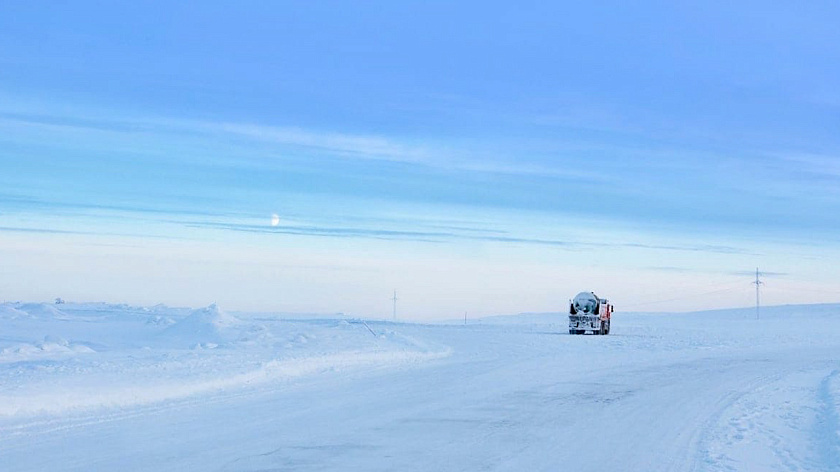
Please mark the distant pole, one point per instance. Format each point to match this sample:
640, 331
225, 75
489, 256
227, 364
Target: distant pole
758, 283
465, 317
395, 305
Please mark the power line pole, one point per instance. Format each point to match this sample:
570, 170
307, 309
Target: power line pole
758, 283
395, 305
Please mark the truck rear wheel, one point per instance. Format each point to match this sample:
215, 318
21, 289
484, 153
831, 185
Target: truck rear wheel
608, 328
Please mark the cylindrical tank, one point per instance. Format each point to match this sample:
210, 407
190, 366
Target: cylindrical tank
586, 303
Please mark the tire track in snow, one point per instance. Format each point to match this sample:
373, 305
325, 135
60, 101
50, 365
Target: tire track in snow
706, 434
787, 421
827, 426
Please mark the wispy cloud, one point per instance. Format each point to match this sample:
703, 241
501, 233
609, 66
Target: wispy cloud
701, 270
819, 166
335, 232
451, 236
671, 269
67, 232
27, 203
310, 164
361, 146
12, 229
751, 273
484, 157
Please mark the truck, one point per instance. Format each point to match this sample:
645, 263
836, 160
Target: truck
588, 312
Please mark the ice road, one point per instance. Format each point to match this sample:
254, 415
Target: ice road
88, 387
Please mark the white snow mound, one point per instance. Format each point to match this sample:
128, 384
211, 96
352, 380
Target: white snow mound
43, 311
209, 325
9, 312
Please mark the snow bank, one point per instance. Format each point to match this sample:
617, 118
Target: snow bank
8, 312
206, 327
93, 356
49, 349
44, 311
82, 397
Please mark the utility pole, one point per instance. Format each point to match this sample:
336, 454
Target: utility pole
465, 318
758, 283
395, 305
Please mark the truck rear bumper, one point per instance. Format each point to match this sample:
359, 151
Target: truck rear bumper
584, 322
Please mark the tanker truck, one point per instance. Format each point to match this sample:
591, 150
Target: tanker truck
587, 312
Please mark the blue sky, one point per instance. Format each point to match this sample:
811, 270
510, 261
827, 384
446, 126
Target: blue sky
478, 157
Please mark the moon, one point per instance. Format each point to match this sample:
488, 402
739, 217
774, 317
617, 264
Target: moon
275, 219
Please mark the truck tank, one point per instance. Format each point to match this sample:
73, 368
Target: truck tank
586, 303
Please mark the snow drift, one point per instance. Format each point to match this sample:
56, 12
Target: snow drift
206, 326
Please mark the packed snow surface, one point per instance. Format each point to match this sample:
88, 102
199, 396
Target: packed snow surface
113, 387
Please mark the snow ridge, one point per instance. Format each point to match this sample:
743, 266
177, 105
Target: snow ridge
92, 358
208, 325
272, 371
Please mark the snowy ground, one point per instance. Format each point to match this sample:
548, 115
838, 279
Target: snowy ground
104, 387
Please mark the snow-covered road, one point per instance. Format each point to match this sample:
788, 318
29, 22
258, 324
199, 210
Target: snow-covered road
706, 392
